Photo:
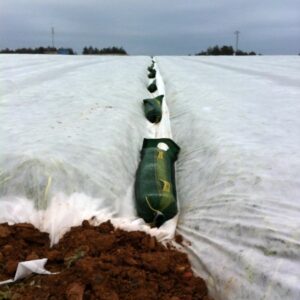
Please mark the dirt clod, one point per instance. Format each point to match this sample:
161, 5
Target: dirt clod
11, 267
4, 231
75, 291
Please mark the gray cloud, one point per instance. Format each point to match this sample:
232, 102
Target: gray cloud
156, 27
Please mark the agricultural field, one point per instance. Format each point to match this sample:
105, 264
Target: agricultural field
72, 128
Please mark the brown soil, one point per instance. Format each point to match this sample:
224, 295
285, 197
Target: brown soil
96, 263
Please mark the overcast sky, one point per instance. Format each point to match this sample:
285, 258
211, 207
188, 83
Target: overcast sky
153, 27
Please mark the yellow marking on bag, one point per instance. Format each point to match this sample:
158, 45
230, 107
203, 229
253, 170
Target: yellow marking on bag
166, 186
160, 155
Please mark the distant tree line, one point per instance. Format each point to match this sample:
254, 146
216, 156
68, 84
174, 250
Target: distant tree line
39, 50
224, 50
54, 50
103, 51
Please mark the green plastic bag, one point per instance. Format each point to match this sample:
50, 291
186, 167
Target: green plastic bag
151, 68
155, 189
153, 109
152, 87
152, 74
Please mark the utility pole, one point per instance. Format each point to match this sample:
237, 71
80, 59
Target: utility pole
52, 34
236, 41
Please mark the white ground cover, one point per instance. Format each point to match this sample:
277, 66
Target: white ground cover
71, 133
237, 120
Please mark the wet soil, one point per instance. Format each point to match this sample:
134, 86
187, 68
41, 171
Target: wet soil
96, 262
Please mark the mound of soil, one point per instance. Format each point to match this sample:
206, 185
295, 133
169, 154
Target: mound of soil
96, 262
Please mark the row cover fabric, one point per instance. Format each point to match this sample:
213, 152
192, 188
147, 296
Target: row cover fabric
26, 268
153, 109
71, 133
155, 186
237, 122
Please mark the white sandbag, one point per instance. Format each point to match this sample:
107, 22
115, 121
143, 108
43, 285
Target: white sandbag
237, 122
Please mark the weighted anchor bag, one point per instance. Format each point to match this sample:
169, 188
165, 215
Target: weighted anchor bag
155, 190
151, 68
153, 109
152, 87
152, 74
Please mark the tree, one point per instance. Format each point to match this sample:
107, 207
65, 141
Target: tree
216, 50
104, 51
6, 50
227, 50
39, 50
240, 53
224, 50
85, 51
71, 52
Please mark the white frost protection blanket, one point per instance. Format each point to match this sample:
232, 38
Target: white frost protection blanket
237, 120
26, 268
72, 128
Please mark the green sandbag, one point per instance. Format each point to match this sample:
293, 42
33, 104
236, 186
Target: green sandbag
152, 87
151, 68
152, 74
155, 190
153, 109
